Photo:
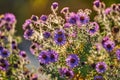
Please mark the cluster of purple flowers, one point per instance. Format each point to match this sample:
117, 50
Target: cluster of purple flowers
45, 57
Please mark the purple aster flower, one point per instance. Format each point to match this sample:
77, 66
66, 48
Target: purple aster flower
109, 45
96, 3
4, 64
82, 18
67, 25
10, 18
34, 47
64, 72
5, 53
65, 10
52, 55
34, 18
46, 34
98, 78
23, 54
72, 18
107, 11
118, 54
59, 37
44, 57
43, 18
28, 33
101, 67
1, 49
26, 25
72, 60
94, 28
54, 6
106, 38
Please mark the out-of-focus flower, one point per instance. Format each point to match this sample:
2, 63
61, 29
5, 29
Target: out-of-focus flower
46, 34
118, 54
10, 18
4, 64
101, 67
43, 18
98, 78
5, 53
52, 55
23, 54
28, 33
64, 72
94, 28
54, 6
65, 10
26, 25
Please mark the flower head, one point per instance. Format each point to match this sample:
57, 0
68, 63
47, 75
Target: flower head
43, 18
4, 64
82, 18
59, 37
101, 67
72, 60
98, 78
23, 54
72, 18
52, 55
44, 57
94, 28
118, 54
65, 10
26, 25
64, 72
5, 53
28, 33
9, 18
46, 34
54, 6
109, 45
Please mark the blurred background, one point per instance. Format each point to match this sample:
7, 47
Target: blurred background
23, 9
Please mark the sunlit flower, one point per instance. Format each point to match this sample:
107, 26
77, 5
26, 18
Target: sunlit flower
59, 37
52, 55
44, 57
72, 60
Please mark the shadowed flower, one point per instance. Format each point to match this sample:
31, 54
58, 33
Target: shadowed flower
28, 33
43, 18
82, 18
52, 55
46, 34
106, 38
98, 78
44, 57
54, 6
94, 28
59, 37
5, 53
109, 45
96, 3
118, 54
101, 67
4, 64
10, 18
72, 60
34, 18
23, 54
72, 18
64, 72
